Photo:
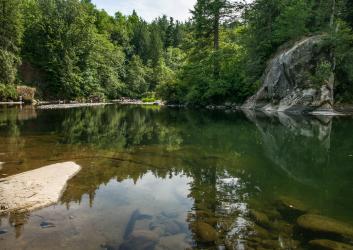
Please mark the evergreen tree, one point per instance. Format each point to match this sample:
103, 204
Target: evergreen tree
208, 15
177, 35
169, 39
136, 76
156, 46
141, 40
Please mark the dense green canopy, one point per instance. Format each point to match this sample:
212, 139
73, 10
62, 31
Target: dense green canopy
69, 49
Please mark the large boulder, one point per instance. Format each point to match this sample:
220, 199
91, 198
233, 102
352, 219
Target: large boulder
298, 79
35, 189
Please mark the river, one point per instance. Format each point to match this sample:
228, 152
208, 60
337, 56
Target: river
163, 178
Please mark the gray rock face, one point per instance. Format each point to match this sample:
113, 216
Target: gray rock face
287, 84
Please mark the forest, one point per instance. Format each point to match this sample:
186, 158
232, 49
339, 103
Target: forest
69, 49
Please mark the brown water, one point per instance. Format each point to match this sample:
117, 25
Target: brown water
160, 178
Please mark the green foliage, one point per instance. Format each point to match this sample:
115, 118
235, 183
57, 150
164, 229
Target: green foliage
342, 46
10, 39
149, 99
136, 75
8, 66
322, 73
104, 69
292, 21
8, 92
82, 52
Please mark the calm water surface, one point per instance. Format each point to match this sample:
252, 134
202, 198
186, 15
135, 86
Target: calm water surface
159, 178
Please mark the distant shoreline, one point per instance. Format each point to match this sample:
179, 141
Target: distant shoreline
339, 109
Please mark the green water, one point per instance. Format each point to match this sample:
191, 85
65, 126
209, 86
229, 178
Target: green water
194, 176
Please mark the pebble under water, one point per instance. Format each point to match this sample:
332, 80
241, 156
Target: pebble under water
162, 178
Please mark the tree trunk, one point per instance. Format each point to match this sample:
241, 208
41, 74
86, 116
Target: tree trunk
216, 63
333, 13
333, 56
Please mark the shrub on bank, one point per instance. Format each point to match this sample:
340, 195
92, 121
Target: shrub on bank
26, 92
149, 99
8, 92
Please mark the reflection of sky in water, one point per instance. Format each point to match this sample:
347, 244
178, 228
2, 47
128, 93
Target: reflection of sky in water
104, 221
231, 166
163, 190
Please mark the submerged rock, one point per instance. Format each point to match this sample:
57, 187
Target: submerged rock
213, 221
174, 242
167, 226
35, 189
290, 208
140, 239
329, 245
205, 232
288, 243
260, 218
261, 232
171, 227
45, 224
325, 226
136, 215
287, 84
170, 215
284, 228
108, 247
270, 244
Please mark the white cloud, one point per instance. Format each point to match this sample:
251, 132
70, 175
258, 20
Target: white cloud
148, 9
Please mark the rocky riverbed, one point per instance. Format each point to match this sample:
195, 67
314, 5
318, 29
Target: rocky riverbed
285, 224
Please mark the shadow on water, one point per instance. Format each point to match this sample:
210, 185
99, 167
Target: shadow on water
179, 178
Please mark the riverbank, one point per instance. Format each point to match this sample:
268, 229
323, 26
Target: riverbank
70, 105
127, 101
339, 109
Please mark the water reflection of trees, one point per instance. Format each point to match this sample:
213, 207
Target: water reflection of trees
231, 160
116, 128
222, 187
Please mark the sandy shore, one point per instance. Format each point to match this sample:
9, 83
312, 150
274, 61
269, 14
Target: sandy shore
35, 189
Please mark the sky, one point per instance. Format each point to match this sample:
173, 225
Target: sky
148, 9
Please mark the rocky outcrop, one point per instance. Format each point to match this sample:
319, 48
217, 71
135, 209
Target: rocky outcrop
290, 82
26, 93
